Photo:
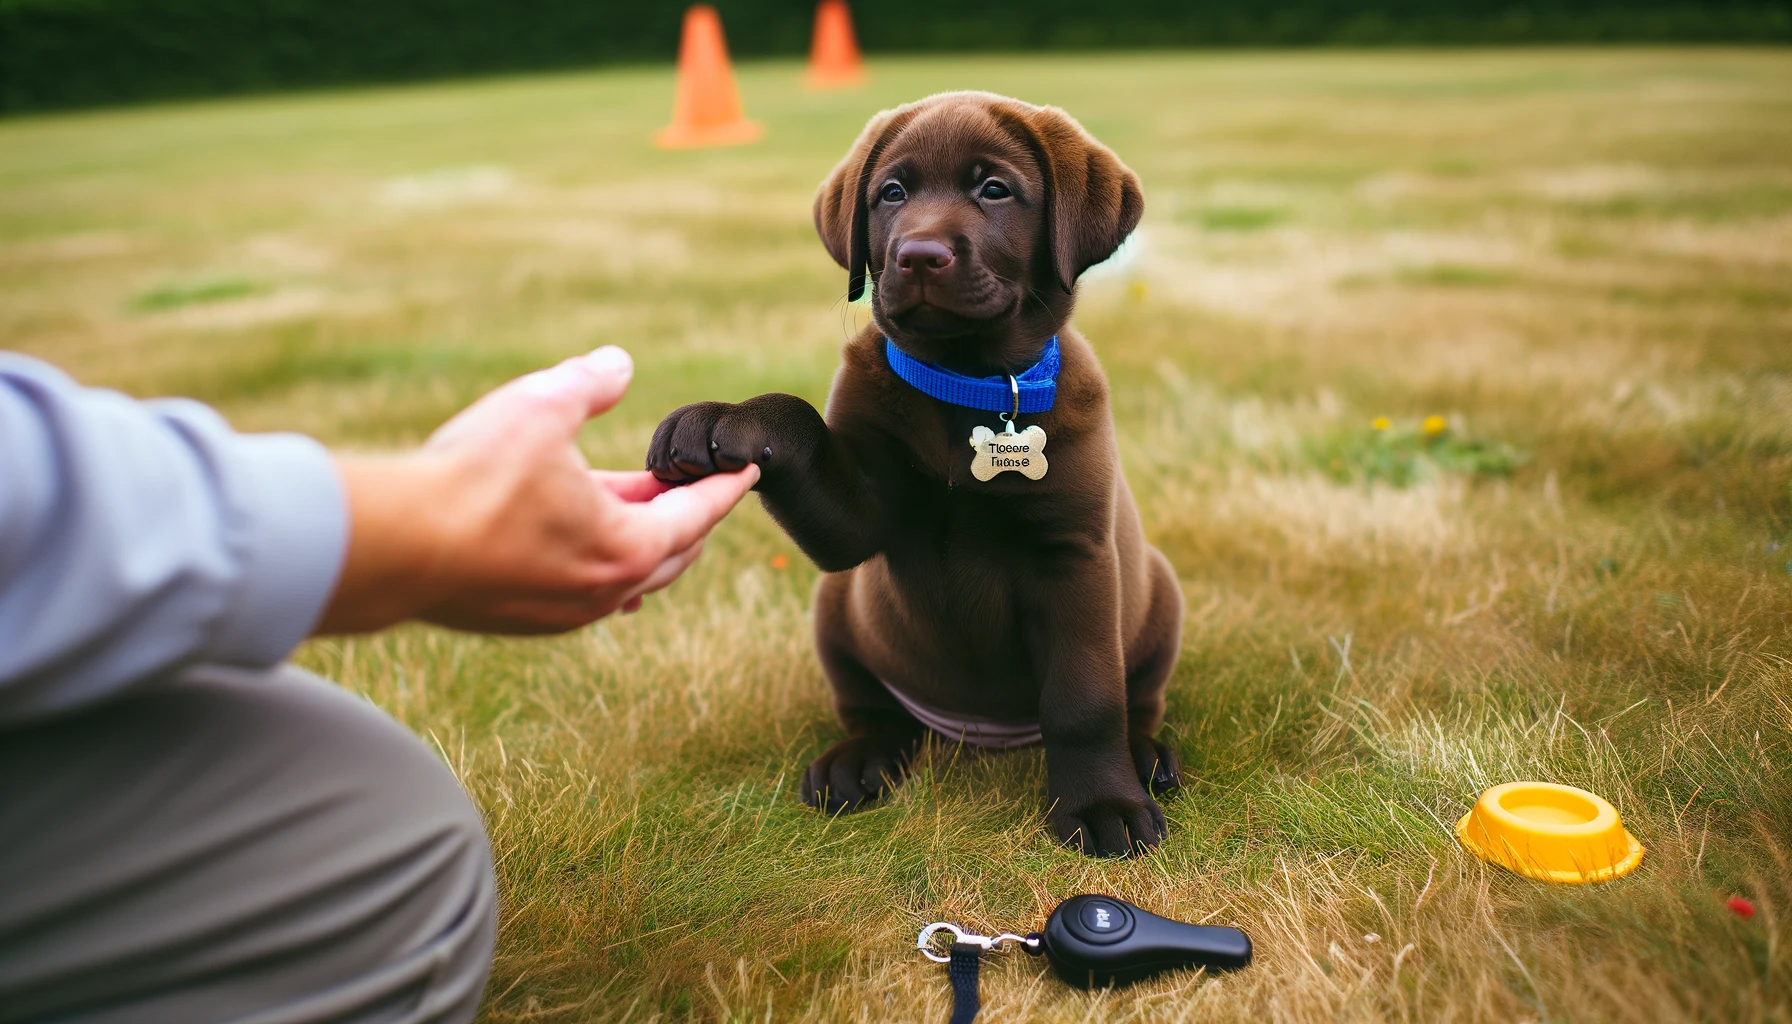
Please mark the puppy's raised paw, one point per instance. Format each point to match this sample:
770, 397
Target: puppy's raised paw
774, 431
858, 771
1118, 826
703, 438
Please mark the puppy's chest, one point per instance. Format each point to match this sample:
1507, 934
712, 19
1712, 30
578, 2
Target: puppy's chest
973, 528
985, 455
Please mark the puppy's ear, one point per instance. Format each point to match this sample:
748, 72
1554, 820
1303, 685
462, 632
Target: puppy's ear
1093, 201
842, 218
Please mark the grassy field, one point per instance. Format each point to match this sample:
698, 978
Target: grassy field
1580, 261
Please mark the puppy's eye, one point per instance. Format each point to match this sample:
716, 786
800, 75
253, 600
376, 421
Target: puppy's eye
892, 193
993, 189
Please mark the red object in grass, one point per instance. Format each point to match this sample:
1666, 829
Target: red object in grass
1742, 907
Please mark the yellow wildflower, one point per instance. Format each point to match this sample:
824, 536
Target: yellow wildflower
1380, 423
1434, 425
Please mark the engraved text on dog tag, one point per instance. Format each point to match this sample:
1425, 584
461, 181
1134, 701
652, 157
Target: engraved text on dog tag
1023, 452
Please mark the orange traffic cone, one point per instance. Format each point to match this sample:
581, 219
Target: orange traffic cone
834, 61
706, 110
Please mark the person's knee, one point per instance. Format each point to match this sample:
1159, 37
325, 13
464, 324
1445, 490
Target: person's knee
265, 841
403, 860
344, 767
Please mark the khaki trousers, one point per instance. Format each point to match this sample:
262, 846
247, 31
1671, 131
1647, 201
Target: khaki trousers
237, 846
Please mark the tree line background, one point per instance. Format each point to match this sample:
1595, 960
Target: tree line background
71, 53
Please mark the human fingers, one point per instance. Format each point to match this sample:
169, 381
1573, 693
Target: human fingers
687, 514
589, 384
663, 574
521, 616
536, 613
630, 485
568, 394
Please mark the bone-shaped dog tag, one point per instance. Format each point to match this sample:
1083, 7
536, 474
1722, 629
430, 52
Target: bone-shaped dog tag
1023, 452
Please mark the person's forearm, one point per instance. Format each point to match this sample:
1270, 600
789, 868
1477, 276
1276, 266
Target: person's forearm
398, 536
498, 524
139, 537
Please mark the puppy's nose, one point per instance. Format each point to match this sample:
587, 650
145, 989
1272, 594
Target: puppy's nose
924, 255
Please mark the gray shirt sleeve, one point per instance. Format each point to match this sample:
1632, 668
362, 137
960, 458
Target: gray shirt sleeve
140, 537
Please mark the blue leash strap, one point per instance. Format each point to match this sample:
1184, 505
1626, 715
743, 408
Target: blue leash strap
964, 959
963, 972
1038, 383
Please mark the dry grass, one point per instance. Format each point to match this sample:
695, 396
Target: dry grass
1582, 256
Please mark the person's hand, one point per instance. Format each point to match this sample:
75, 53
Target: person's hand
497, 524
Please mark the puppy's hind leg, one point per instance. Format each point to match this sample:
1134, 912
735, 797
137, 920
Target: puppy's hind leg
1146, 675
882, 736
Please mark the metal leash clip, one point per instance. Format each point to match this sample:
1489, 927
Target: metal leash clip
985, 943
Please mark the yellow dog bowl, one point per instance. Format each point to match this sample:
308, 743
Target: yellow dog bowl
1554, 833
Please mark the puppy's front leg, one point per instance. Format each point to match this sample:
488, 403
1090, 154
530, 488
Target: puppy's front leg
810, 480
1098, 804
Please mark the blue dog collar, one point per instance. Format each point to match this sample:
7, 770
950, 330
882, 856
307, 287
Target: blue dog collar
1038, 384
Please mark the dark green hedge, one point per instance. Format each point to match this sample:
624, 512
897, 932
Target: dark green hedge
66, 53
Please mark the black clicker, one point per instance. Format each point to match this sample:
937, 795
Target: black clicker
1092, 942
1095, 941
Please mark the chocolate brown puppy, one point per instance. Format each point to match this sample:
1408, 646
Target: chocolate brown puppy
1002, 610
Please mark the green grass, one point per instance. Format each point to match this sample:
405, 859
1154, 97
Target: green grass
169, 296
1404, 456
1579, 259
